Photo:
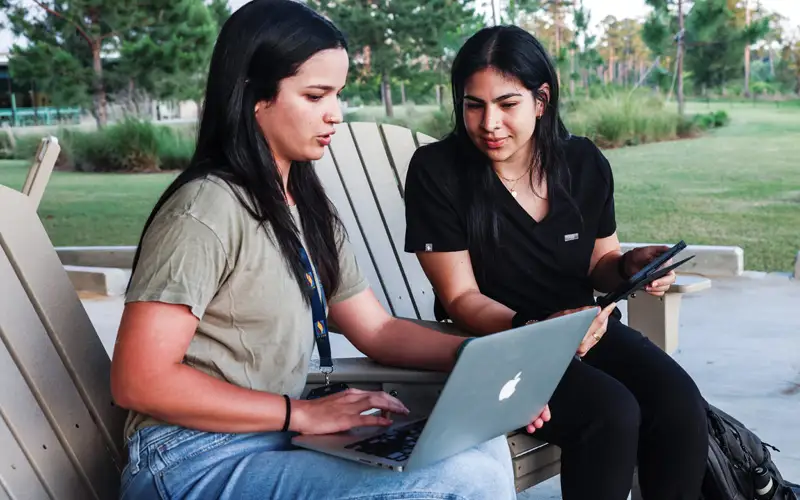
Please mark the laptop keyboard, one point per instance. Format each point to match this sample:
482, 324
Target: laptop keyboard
394, 444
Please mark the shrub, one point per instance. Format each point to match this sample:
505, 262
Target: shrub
6, 144
622, 120
25, 147
128, 146
721, 118
439, 123
714, 119
175, 150
435, 124
687, 127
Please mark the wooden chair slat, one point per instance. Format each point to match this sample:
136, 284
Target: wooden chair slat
18, 479
326, 170
390, 203
351, 170
34, 434
400, 145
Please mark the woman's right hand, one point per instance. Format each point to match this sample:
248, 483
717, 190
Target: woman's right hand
596, 330
342, 411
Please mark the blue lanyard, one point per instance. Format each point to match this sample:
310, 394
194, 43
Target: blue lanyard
318, 316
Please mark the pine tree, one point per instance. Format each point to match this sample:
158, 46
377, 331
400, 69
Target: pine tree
664, 29
715, 42
169, 60
386, 36
77, 48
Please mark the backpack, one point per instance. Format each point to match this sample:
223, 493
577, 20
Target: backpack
739, 464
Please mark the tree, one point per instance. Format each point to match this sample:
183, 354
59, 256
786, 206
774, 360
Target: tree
665, 25
773, 39
76, 33
518, 9
716, 42
545, 20
557, 10
747, 51
787, 71
585, 54
169, 60
612, 46
220, 12
90, 40
387, 35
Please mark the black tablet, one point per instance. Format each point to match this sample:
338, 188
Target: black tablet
647, 275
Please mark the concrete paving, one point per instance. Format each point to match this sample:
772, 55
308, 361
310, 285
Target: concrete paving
740, 341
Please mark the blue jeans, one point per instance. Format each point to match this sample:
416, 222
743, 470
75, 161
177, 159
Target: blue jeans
170, 462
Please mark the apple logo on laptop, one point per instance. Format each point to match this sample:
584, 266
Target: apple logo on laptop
509, 387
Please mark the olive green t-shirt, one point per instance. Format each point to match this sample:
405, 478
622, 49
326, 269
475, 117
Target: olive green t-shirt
204, 250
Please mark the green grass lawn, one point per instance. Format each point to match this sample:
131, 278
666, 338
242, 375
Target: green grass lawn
92, 209
739, 185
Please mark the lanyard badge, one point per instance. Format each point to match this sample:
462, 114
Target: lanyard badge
320, 330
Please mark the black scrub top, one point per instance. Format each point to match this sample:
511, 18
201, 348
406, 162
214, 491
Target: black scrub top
539, 267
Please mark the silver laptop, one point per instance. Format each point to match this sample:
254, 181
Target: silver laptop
498, 385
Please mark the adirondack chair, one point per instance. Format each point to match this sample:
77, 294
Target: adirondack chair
60, 432
39, 174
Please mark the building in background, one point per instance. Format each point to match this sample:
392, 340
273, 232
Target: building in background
22, 105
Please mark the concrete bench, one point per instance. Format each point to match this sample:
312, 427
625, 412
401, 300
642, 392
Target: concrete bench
709, 260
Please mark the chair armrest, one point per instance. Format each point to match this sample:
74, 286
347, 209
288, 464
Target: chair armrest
365, 370
448, 328
689, 284
683, 284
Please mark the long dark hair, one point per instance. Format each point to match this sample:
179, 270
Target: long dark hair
262, 43
516, 53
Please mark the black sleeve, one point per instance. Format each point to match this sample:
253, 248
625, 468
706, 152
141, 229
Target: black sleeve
432, 219
607, 224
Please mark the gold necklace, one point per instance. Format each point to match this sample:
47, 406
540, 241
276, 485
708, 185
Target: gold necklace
513, 186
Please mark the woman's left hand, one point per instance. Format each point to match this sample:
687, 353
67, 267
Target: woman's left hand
539, 421
640, 257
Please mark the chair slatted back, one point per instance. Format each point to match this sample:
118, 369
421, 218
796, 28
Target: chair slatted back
56, 397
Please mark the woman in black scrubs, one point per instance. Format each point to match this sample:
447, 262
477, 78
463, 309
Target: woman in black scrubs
512, 219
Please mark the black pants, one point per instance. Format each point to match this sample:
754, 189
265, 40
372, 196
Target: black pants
626, 404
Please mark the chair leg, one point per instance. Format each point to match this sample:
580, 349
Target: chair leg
657, 318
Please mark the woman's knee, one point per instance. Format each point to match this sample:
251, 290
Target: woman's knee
620, 417
680, 414
679, 402
483, 472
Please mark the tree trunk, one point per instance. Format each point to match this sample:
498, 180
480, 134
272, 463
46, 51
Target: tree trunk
610, 74
557, 18
99, 94
571, 72
771, 62
132, 106
494, 13
386, 91
35, 104
631, 65
586, 84
746, 53
680, 57
403, 92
